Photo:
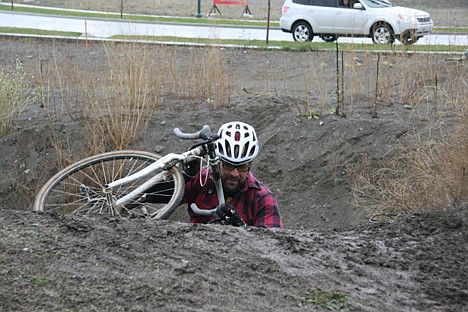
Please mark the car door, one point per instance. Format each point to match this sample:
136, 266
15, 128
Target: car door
322, 13
350, 20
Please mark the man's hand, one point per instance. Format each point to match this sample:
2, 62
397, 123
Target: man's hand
227, 215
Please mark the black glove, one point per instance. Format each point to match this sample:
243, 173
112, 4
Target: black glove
227, 215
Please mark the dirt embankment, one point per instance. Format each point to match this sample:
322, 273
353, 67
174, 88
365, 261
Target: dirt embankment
57, 263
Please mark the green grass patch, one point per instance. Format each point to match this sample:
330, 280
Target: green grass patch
291, 46
301, 46
450, 30
331, 300
39, 281
41, 32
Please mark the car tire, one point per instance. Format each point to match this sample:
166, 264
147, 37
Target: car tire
302, 32
329, 38
382, 33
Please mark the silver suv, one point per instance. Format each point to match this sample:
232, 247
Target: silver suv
377, 19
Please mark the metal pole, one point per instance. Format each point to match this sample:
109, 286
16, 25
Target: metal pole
268, 23
12, 5
199, 9
121, 8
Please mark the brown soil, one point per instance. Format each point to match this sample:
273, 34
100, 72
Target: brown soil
328, 257
70, 263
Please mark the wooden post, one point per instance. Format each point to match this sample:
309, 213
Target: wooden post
86, 33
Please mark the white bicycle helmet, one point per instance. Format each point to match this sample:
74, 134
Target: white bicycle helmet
237, 143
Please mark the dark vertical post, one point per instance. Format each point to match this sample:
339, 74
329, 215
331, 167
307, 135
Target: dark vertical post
268, 23
121, 8
199, 9
342, 85
376, 101
338, 93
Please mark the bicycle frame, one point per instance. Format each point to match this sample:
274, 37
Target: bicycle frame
168, 162
161, 163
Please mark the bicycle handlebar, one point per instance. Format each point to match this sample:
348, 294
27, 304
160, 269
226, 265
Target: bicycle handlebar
202, 212
205, 134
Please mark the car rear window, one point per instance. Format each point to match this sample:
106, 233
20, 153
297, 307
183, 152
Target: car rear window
325, 3
305, 2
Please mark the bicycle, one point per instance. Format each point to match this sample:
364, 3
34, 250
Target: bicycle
132, 183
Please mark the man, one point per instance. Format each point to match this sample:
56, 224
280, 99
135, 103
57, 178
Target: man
254, 202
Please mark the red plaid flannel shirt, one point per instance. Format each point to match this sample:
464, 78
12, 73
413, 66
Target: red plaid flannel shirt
255, 202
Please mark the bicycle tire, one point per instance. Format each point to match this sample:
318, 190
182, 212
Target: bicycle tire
78, 188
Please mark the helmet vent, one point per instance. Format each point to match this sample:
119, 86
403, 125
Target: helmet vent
252, 151
220, 148
246, 149
228, 151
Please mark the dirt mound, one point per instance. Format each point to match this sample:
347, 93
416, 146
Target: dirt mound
54, 262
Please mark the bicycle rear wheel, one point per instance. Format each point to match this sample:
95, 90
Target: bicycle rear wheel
79, 188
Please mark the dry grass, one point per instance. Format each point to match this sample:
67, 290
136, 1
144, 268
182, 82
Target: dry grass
15, 96
131, 95
430, 174
422, 172
116, 101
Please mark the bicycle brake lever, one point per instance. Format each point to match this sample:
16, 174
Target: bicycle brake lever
207, 135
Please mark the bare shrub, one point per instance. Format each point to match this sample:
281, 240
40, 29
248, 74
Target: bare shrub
129, 100
14, 96
215, 84
115, 105
456, 79
195, 78
311, 87
335, 159
418, 81
116, 102
426, 173
428, 170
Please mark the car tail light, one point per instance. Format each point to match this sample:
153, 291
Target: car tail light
285, 9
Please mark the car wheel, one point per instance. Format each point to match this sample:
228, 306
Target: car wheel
302, 32
382, 33
329, 38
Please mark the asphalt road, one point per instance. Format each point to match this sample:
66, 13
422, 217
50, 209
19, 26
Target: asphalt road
95, 28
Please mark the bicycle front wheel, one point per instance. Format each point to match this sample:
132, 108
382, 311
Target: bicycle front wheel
79, 188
